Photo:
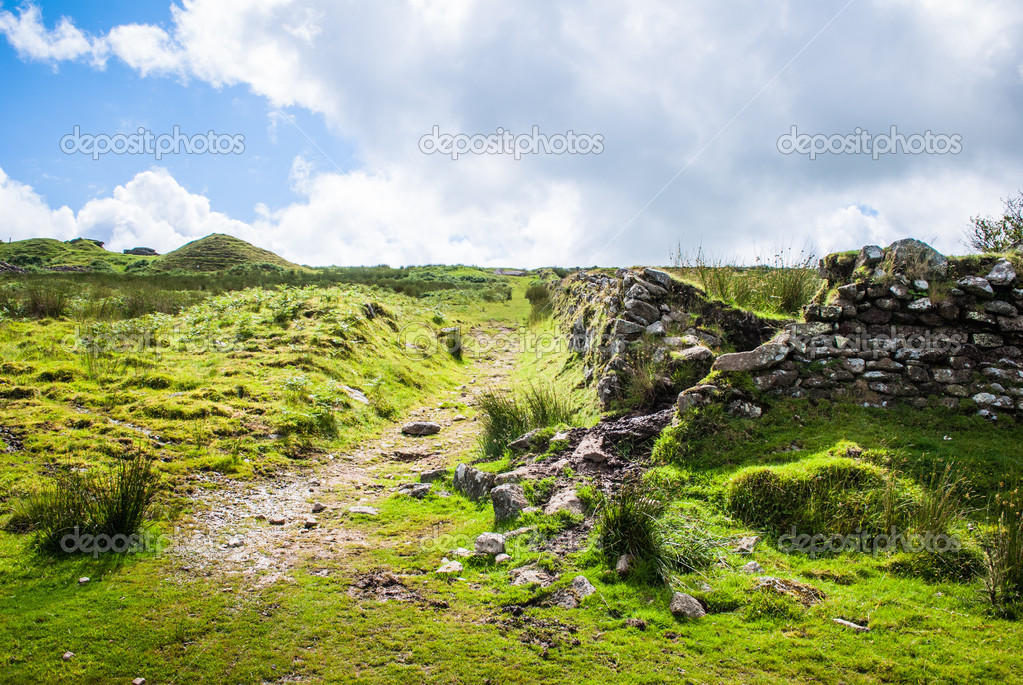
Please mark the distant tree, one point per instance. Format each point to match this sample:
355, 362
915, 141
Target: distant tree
988, 234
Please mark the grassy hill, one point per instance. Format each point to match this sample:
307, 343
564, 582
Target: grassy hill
44, 253
218, 252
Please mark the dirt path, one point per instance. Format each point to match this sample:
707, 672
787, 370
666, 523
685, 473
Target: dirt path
236, 526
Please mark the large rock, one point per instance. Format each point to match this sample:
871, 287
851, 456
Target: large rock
659, 277
686, 606
1002, 273
764, 357
509, 501
591, 448
698, 354
917, 257
644, 311
420, 428
975, 285
624, 327
609, 388
473, 483
869, 256
490, 543
566, 500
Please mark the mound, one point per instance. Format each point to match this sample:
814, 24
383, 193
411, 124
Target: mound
218, 252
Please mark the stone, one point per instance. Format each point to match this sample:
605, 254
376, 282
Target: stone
918, 258
515, 476
524, 442
1001, 308
434, 475
987, 340
643, 311
751, 568
591, 448
565, 500
68, 656
1002, 274
509, 501
451, 568
582, 586
976, 285
608, 389
850, 291
277, 520
366, 511
310, 522
745, 410
490, 543
986, 399
530, 575
83, 580
502, 559
235, 542
899, 290
686, 606
637, 623
473, 483
138, 681
806, 594
421, 428
318, 507
659, 277
656, 329
1010, 325
921, 305
623, 565
415, 490
763, 357
697, 354
869, 256
745, 545
637, 292
625, 328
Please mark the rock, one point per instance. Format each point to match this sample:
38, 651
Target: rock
566, 500
746, 545
986, 399
869, 256
68, 656
277, 520
473, 483
656, 329
637, 623
509, 501
745, 410
976, 286
235, 542
138, 681
854, 626
502, 559
565, 599
921, 305
623, 565
83, 580
1002, 274
517, 532
751, 568
1001, 308
918, 258
432, 476
530, 575
459, 417
608, 389
490, 543
806, 594
318, 507
686, 606
697, 354
643, 311
451, 568
515, 476
659, 277
310, 522
415, 490
582, 586
524, 442
626, 328
421, 428
359, 509
763, 357
591, 448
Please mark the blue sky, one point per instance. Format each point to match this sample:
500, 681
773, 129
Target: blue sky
689, 100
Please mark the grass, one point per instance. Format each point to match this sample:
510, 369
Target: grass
505, 416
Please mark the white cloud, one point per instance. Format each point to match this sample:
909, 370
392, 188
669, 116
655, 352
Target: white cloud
145, 48
26, 214
31, 39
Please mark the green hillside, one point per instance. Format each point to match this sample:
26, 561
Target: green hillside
218, 252
47, 253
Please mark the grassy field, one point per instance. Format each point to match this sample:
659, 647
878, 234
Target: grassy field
241, 389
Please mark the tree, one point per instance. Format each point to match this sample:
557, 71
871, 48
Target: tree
988, 234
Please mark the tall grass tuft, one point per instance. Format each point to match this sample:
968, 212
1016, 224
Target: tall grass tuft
505, 416
539, 301
1003, 556
111, 503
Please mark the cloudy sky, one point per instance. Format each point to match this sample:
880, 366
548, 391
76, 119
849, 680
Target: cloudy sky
323, 106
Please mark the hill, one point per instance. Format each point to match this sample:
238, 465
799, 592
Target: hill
219, 252
80, 253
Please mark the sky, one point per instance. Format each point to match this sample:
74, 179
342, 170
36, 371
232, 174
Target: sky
744, 128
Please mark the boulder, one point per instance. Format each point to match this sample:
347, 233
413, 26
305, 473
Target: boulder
582, 586
1002, 274
624, 327
591, 448
918, 258
763, 357
565, 500
686, 606
869, 256
421, 428
644, 311
975, 285
452, 568
434, 475
659, 277
415, 490
473, 483
524, 442
509, 501
490, 543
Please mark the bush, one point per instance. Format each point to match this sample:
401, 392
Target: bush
988, 234
505, 417
627, 524
1003, 556
539, 301
112, 503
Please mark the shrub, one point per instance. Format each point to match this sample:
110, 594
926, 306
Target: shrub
539, 301
1003, 556
627, 524
988, 234
110, 503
